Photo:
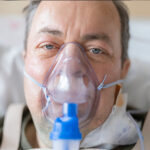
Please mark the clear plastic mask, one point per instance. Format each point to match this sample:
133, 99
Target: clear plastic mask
71, 79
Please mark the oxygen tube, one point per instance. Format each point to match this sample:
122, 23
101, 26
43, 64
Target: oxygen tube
66, 133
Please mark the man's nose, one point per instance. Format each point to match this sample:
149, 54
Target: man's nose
74, 62
72, 50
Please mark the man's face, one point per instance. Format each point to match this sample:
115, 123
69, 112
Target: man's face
59, 22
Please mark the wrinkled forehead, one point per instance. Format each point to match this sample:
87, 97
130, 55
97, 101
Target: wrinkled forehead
106, 7
85, 12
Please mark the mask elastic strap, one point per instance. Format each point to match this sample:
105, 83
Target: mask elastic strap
33, 80
102, 86
112, 84
43, 88
102, 83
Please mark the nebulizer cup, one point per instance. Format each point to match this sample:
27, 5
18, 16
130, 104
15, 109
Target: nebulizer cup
66, 134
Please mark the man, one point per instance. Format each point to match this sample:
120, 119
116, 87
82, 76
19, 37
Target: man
101, 28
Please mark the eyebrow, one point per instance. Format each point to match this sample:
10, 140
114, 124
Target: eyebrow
51, 31
84, 38
92, 37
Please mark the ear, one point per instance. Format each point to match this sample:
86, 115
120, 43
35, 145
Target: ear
125, 68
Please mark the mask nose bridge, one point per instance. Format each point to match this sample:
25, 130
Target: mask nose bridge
72, 49
73, 53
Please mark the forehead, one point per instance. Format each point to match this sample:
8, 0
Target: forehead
78, 14
91, 7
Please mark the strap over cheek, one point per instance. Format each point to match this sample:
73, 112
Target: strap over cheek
33, 80
104, 86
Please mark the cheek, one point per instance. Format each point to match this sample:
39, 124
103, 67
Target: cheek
37, 69
106, 102
104, 107
111, 69
33, 97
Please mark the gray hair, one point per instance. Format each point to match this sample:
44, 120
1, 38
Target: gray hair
122, 11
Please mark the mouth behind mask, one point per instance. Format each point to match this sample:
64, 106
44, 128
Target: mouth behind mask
71, 79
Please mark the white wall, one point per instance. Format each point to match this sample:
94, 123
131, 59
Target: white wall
12, 7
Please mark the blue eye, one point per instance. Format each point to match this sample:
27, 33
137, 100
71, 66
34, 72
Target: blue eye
49, 47
96, 51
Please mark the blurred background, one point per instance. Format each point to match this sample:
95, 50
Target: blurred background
137, 84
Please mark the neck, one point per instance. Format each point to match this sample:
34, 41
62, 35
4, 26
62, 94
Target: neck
42, 135
43, 142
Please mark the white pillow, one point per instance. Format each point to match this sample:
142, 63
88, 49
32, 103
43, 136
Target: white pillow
11, 77
137, 84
